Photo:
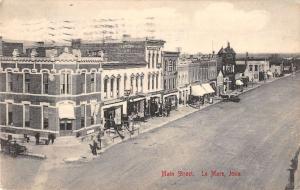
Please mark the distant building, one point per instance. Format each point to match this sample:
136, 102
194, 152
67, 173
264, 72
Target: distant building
227, 64
170, 74
7, 47
255, 69
183, 80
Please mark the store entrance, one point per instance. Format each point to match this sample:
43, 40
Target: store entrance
65, 127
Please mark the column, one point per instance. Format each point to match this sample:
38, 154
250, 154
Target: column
115, 87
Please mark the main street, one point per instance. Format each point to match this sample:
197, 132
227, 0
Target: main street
255, 138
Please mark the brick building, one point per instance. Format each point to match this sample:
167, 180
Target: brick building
170, 77
227, 65
132, 81
50, 95
7, 47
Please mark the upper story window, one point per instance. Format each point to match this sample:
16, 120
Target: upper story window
153, 82
250, 67
153, 58
9, 82
93, 82
125, 82
105, 86
118, 86
142, 81
27, 82
112, 87
149, 59
156, 81
9, 114
149, 78
137, 84
45, 83
83, 83
256, 67
65, 83
166, 65
131, 83
170, 66
157, 58
174, 65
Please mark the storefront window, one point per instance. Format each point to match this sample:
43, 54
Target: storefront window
45, 117
65, 125
82, 115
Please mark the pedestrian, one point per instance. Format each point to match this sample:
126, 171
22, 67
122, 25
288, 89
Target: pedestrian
37, 138
113, 124
99, 139
52, 137
94, 148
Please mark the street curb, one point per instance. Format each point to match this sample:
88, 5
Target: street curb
34, 155
162, 124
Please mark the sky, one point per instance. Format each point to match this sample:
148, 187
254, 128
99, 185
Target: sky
257, 26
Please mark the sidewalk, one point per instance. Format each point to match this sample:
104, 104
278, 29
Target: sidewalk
72, 149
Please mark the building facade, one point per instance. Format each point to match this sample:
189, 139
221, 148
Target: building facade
58, 95
170, 77
227, 65
7, 47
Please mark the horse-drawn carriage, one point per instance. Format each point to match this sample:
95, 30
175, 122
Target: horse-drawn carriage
12, 147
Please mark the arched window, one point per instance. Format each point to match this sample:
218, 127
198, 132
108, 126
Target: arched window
153, 76
26, 82
45, 78
9, 80
149, 78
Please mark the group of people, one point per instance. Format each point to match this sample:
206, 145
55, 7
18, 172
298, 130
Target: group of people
158, 109
51, 138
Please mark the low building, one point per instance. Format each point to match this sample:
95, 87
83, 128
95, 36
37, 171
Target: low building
7, 47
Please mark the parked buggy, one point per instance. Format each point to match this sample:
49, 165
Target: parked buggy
12, 148
230, 98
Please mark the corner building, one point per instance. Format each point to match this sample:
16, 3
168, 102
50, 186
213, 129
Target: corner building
58, 95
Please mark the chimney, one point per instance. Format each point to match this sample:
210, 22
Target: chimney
228, 44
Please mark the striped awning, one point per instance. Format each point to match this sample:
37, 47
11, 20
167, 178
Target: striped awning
208, 88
